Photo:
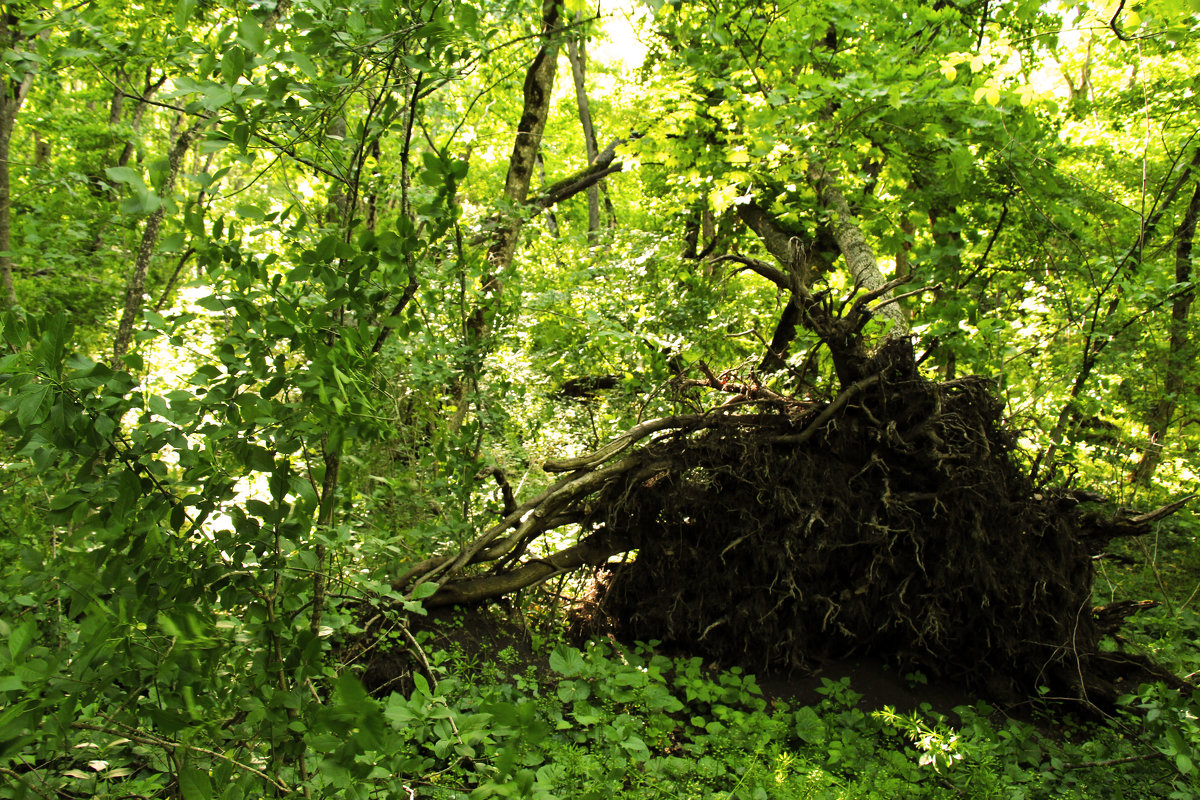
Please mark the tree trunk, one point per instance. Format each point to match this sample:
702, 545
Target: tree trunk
577, 56
1179, 355
860, 260
539, 84
135, 286
12, 95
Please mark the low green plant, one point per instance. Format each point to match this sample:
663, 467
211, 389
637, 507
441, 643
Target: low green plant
613, 722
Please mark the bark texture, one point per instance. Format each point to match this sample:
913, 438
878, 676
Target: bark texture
135, 285
539, 84
1180, 353
12, 96
860, 259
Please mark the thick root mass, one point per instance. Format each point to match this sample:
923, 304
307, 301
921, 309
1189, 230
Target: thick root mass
895, 521
902, 527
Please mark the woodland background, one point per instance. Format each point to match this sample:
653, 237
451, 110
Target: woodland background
300, 295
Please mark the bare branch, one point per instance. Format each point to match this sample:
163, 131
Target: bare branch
621, 442
773, 274
839, 402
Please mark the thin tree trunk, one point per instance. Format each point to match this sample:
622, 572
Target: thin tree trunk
41, 150
118, 101
577, 56
8, 115
135, 286
1178, 355
903, 263
1097, 339
539, 83
551, 218
950, 243
860, 259
12, 96
135, 119
325, 518
127, 151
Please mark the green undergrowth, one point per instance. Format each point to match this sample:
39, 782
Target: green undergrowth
1160, 567
631, 723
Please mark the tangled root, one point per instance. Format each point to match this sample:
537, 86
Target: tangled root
903, 527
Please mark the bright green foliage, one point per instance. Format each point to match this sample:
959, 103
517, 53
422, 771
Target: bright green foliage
192, 532
636, 724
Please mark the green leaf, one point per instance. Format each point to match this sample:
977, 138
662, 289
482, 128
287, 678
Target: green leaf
213, 143
30, 404
424, 590
241, 137
466, 16
194, 784
251, 34
353, 695
124, 175
232, 64
304, 64
183, 12
809, 726
258, 459
20, 638
142, 201
173, 242
215, 96
178, 517
1176, 742
566, 661
569, 691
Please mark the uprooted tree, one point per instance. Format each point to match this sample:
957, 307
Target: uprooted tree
890, 512
894, 517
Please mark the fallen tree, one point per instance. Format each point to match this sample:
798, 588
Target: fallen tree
893, 518
773, 532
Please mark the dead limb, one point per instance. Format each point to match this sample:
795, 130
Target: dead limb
621, 442
827, 413
594, 550
1097, 530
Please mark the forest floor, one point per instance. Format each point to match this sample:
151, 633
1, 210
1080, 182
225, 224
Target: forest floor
601, 719
490, 635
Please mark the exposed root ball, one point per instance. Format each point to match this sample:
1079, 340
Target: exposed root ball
903, 528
